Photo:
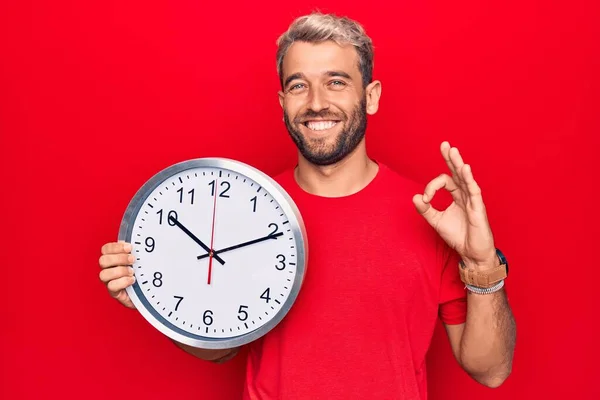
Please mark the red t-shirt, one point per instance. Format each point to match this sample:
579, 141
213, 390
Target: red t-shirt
377, 279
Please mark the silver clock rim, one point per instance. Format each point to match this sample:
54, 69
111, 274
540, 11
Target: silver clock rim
296, 224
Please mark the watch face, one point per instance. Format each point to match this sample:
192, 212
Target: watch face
220, 252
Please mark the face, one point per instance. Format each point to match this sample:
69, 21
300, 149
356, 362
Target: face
324, 103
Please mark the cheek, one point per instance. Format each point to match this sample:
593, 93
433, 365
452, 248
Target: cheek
292, 107
345, 103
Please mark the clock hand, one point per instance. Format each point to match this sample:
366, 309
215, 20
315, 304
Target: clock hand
237, 246
190, 234
212, 236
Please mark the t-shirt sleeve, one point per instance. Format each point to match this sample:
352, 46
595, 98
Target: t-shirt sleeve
452, 295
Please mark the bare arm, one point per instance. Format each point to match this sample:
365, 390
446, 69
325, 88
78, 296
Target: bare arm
216, 356
484, 344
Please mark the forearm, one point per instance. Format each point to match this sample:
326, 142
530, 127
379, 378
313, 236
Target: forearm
216, 356
488, 339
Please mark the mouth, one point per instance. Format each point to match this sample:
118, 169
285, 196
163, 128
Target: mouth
320, 125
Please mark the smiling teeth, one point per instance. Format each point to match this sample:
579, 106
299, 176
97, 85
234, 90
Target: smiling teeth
320, 125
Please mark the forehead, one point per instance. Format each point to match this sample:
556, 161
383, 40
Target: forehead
314, 59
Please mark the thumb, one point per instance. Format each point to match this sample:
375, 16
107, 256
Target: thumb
425, 208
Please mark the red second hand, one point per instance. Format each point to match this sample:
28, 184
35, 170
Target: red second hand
212, 235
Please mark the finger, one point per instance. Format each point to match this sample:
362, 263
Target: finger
110, 274
473, 189
443, 181
457, 162
429, 212
122, 283
113, 260
116, 247
445, 150
124, 299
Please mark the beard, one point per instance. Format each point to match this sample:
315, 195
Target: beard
318, 151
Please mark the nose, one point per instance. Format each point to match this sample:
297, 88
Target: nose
317, 100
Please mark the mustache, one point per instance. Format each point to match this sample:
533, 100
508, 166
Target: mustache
324, 114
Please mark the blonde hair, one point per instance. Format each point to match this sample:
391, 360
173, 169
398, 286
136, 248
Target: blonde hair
317, 27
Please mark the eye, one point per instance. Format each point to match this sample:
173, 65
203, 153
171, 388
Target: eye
337, 84
295, 87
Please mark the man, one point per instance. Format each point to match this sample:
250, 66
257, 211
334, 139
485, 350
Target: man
380, 273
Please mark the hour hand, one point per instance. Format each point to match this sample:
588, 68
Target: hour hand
190, 234
237, 246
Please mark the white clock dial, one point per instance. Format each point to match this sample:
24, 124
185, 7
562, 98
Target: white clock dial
213, 299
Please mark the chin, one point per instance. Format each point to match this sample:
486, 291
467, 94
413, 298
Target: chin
322, 155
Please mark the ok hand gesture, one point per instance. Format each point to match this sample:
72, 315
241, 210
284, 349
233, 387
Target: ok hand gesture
464, 224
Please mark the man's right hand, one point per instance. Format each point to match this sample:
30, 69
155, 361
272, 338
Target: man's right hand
117, 272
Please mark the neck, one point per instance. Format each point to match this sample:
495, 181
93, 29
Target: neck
343, 178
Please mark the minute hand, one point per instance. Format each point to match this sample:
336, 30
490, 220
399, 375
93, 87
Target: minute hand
237, 246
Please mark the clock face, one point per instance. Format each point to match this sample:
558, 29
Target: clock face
219, 249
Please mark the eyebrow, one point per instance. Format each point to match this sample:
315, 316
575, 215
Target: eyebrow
338, 73
300, 75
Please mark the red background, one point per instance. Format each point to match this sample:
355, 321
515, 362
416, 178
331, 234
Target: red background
96, 98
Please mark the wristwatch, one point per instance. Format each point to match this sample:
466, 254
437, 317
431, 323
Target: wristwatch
485, 279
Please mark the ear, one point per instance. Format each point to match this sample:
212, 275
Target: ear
281, 95
373, 91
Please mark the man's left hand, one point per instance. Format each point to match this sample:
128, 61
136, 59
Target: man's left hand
464, 224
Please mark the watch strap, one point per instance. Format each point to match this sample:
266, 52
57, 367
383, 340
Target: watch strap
483, 279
